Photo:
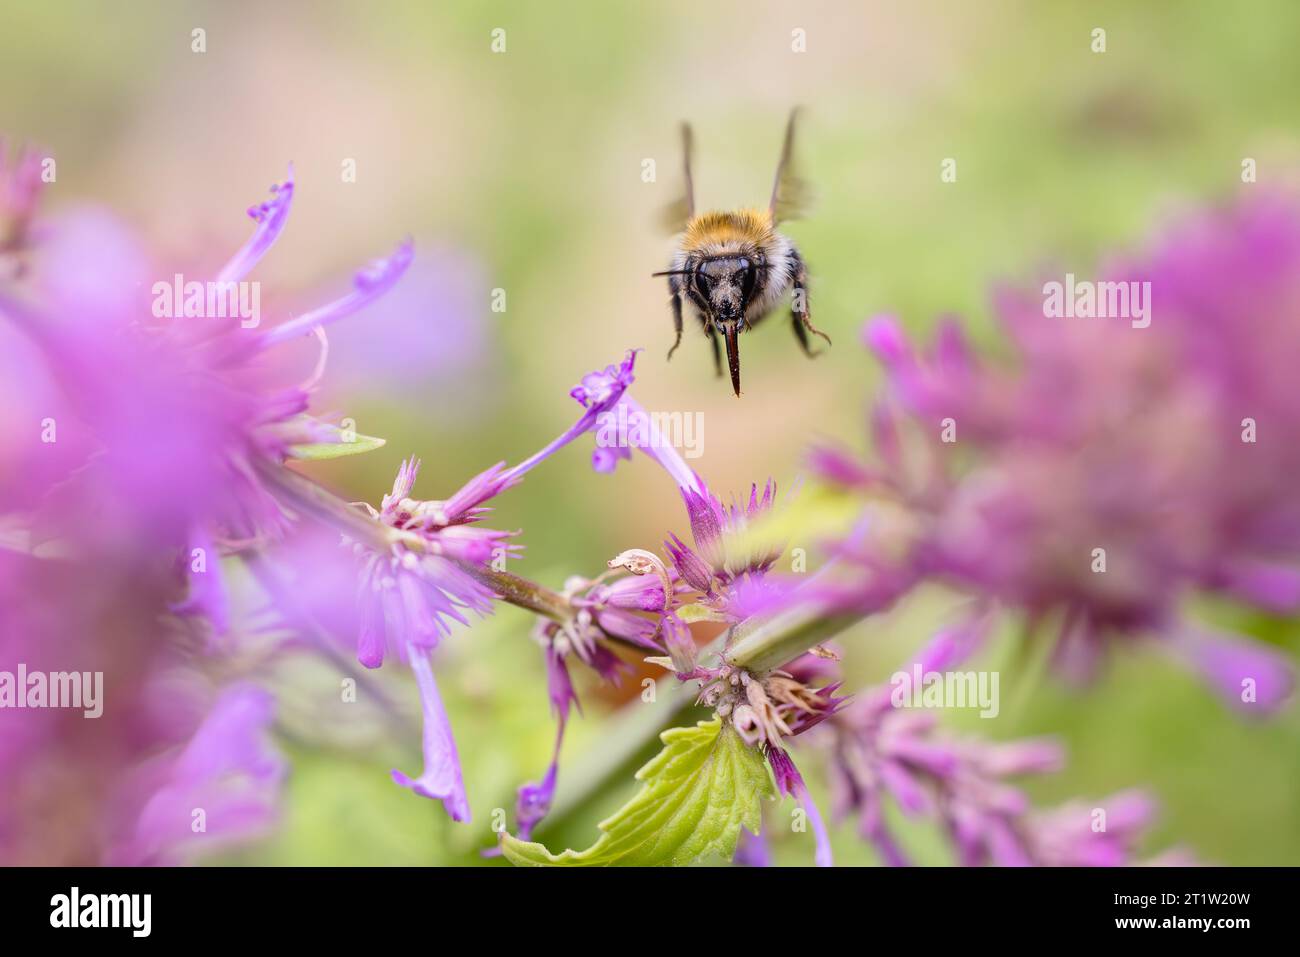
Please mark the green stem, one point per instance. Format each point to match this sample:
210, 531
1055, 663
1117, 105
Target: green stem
521, 592
774, 641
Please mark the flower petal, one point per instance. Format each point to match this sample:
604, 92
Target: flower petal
270, 217
441, 779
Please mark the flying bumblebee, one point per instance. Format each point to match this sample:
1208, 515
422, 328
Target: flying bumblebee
734, 267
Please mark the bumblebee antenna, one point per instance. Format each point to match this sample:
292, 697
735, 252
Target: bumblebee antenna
687, 272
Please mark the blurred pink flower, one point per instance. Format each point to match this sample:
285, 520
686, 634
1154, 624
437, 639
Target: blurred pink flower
221, 787
1114, 470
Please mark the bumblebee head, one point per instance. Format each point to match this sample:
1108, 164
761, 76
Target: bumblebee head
724, 286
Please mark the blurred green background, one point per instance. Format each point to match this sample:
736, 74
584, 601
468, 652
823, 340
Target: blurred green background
522, 171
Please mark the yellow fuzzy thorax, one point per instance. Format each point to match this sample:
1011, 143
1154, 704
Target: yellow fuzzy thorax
717, 229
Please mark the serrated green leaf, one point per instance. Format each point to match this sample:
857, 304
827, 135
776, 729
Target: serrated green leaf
699, 791
357, 444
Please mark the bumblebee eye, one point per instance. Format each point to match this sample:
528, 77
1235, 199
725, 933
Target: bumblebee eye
747, 277
702, 282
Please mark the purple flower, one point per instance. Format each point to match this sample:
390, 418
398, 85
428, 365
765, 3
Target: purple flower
441, 779
752, 850
559, 642
628, 609
534, 800
221, 787
598, 393
413, 591
270, 216
727, 567
411, 594
422, 582
1113, 470
634, 609
171, 436
181, 427
790, 783
208, 596
624, 425
881, 753
1082, 834
603, 613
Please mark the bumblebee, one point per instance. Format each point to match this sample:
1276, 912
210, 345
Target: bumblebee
733, 266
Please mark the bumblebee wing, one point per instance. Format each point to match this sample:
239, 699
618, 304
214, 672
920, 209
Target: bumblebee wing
677, 214
791, 195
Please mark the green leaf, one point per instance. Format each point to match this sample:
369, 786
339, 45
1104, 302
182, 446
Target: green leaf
355, 445
699, 791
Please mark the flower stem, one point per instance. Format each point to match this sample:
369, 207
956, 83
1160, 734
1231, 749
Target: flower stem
521, 592
771, 642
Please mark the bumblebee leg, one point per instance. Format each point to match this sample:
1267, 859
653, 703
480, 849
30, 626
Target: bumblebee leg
801, 334
677, 321
800, 313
